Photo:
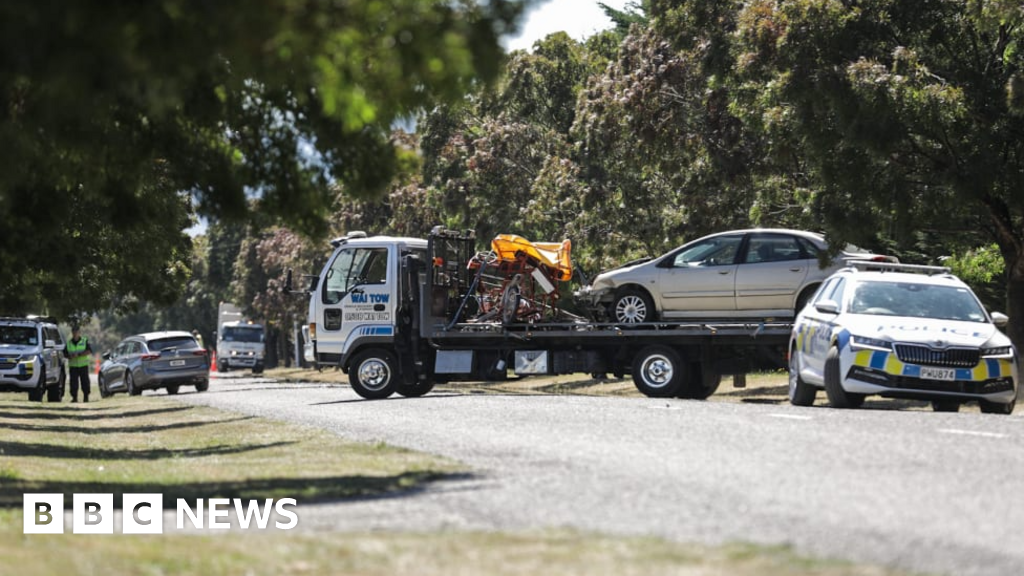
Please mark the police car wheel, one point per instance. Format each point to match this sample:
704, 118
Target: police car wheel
946, 405
374, 374
800, 392
102, 385
996, 408
837, 396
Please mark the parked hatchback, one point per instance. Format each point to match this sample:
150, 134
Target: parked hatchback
754, 273
155, 360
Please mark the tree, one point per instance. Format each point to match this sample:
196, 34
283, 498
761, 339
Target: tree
909, 110
118, 119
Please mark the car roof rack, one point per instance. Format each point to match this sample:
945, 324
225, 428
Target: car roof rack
869, 265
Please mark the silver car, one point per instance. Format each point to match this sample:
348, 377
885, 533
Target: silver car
155, 360
754, 273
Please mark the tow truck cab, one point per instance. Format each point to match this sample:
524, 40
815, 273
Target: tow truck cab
356, 301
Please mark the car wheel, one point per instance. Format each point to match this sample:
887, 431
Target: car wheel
203, 386
632, 306
658, 372
837, 396
946, 405
36, 394
800, 392
804, 296
374, 374
101, 383
55, 393
988, 407
172, 390
696, 387
415, 390
129, 382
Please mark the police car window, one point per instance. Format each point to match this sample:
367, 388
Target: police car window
917, 301
824, 291
352, 267
837, 291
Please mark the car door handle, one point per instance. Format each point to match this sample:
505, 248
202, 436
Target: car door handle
723, 272
796, 269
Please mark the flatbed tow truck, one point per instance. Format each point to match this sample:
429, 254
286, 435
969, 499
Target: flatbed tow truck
399, 315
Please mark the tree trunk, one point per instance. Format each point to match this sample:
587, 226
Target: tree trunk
1015, 300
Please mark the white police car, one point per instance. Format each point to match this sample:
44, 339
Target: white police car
901, 331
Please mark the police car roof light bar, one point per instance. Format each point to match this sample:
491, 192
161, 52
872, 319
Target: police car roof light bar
866, 265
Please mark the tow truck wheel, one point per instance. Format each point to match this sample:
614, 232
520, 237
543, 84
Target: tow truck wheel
696, 387
658, 372
837, 396
374, 374
415, 390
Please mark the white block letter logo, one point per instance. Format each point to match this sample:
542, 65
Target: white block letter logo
93, 514
44, 513
142, 514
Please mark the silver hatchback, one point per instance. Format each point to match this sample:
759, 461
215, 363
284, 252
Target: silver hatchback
155, 360
754, 273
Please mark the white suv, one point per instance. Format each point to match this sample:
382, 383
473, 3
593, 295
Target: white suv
905, 332
32, 358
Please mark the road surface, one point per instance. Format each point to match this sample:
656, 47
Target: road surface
922, 491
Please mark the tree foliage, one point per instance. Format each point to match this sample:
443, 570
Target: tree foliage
118, 118
908, 110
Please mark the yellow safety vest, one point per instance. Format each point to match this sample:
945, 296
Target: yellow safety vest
78, 361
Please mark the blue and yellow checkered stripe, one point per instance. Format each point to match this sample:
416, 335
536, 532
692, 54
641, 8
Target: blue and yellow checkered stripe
887, 362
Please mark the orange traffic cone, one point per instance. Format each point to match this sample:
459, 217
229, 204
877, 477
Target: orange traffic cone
213, 361
97, 364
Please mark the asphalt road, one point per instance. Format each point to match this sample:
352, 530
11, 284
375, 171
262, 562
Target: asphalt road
923, 491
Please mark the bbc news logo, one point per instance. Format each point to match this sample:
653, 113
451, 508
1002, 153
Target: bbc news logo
144, 513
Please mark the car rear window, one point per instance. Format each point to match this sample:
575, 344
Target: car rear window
172, 342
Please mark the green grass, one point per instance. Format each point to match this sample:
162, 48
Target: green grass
138, 445
371, 554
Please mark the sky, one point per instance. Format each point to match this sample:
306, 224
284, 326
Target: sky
580, 18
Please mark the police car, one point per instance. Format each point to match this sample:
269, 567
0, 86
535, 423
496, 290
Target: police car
901, 331
32, 358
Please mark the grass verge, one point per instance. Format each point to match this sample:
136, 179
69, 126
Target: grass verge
140, 445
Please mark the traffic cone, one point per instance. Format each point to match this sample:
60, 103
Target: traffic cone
213, 361
97, 364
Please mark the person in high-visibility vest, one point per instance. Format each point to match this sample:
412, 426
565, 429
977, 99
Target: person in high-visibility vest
78, 352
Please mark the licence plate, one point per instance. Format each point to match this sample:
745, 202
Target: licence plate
938, 373
177, 362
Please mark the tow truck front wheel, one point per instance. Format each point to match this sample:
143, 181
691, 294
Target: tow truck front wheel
658, 372
374, 374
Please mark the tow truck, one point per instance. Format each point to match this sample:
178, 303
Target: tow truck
399, 315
